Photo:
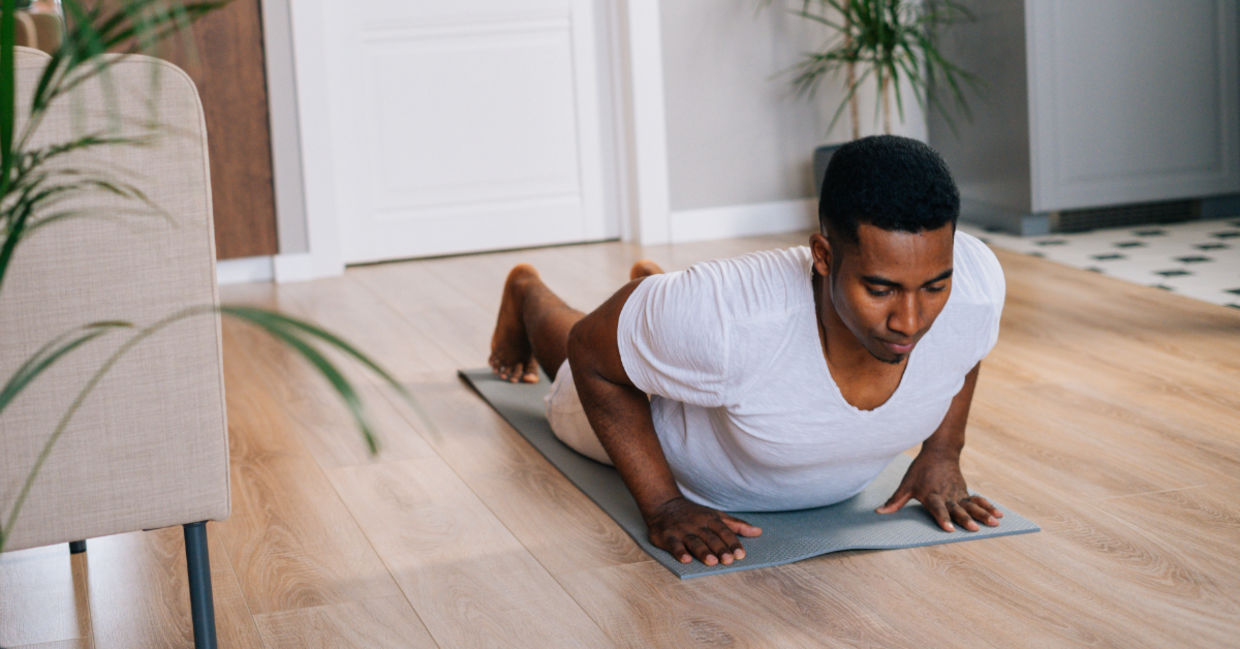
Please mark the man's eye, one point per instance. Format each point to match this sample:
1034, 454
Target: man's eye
936, 289
878, 293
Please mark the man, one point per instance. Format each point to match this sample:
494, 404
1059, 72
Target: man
782, 379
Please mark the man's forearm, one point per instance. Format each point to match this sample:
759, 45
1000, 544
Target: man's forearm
620, 416
618, 412
948, 439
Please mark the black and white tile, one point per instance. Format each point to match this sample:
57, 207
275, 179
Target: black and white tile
1198, 259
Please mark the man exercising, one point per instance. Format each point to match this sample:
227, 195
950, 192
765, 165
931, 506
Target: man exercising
782, 379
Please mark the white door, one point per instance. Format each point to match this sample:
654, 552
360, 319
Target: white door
463, 125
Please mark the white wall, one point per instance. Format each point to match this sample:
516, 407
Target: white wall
739, 140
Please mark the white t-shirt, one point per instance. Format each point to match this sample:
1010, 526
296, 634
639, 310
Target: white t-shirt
745, 408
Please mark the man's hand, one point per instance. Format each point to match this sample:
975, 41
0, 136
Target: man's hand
934, 479
687, 530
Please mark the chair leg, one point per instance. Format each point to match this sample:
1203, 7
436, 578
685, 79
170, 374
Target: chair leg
77, 547
201, 603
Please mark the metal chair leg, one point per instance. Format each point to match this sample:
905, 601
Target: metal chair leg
77, 547
201, 603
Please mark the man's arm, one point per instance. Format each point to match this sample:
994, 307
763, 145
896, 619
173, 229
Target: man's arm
934, 478
620, 415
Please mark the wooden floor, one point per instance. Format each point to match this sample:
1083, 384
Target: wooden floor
1108, 413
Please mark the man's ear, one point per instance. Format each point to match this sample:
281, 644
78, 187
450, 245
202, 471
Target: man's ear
820, 248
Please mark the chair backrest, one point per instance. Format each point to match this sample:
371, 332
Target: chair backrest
148, 447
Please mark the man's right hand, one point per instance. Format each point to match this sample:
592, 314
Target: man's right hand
688, 530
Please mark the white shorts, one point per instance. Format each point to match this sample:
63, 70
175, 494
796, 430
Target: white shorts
568, 419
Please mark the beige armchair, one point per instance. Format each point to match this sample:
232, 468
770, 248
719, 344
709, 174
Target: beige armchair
148, 448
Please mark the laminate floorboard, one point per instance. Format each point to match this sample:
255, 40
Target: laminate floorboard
1092, 450
640, 607
385, 623
1108, 413
324, 428
469, 578
558, 524
291, 540
80, 643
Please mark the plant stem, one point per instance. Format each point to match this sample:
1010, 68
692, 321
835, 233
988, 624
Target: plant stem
851, 70
886, 94
8, 91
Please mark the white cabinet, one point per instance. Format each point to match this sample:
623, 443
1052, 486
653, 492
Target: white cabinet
1094, 104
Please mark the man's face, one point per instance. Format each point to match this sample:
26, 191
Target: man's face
889, 287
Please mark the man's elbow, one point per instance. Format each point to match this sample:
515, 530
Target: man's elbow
578, 345
587, 348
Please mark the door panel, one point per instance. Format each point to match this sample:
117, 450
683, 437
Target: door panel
463, 128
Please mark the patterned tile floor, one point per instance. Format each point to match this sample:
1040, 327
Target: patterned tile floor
1199, 259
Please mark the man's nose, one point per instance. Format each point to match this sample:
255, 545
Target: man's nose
906, 318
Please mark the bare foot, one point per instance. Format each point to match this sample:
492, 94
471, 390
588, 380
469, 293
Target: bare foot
644, 268
512, 358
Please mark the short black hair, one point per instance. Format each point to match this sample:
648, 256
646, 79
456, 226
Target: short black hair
892, 182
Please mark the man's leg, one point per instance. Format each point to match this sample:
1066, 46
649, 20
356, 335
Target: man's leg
533, 324
531, 329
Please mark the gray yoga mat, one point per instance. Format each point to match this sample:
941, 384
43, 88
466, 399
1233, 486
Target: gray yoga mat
786, 536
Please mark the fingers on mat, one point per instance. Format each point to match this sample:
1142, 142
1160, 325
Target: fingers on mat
738, 526
938, 510
962, 518
980, 513
989, 506
700, 550
678, 550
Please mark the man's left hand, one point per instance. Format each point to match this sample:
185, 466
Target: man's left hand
934, 479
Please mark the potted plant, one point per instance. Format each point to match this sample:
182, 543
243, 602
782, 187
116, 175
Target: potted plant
889, 42
34, 185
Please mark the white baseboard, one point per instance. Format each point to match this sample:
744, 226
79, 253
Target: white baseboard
297, 267
244, 270
294, 267
743, 220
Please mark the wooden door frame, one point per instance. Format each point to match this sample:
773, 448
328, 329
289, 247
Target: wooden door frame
634, 130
